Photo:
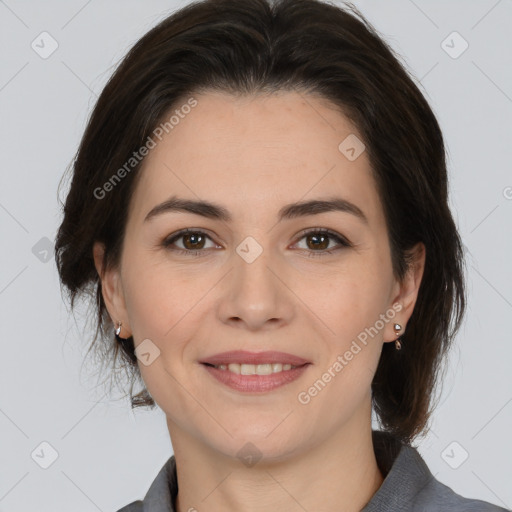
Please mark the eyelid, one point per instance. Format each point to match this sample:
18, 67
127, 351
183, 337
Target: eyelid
327, 231
169, 240
342, 240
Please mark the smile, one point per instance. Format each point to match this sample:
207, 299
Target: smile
255, 369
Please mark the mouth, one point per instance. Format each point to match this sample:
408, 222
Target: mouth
251, 378
255, 369
244, 358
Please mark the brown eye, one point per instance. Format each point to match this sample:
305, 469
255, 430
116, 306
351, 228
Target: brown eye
318, 241
193, 242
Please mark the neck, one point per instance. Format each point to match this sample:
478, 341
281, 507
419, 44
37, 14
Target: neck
338, 474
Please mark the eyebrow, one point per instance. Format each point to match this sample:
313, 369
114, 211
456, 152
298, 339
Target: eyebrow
290, 211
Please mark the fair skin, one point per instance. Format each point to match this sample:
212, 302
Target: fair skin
252, 156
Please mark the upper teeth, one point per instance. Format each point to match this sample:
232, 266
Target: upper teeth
255, 369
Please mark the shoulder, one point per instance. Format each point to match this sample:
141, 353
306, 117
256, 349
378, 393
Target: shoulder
161, 493
437, 496
135, 506
410, 486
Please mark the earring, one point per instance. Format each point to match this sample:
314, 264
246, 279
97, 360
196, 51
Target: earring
397, 328
127, 343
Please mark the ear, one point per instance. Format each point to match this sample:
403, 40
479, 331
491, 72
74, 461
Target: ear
112, 291
405, 292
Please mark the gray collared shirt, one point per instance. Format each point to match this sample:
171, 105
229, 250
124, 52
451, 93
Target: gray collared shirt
408, 486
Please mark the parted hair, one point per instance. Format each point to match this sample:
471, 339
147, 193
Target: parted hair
246, 47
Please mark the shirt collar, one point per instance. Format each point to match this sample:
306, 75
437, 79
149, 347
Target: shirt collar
405, 474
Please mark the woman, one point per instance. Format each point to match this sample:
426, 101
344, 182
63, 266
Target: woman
259, 203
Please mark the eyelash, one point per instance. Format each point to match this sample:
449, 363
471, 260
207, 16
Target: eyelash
311, 254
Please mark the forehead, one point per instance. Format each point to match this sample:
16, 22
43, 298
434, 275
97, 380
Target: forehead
256, 153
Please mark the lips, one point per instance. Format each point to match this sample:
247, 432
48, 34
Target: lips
244, 357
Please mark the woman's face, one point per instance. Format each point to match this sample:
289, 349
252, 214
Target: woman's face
258, 281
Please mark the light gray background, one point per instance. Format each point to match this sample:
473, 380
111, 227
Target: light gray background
107, 455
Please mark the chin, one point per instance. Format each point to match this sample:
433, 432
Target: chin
254, 446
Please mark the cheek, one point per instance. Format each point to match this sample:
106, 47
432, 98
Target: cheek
348, 301
146, 301
164, 302
156, 297
351, 307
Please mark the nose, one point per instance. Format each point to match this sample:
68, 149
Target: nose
256, 293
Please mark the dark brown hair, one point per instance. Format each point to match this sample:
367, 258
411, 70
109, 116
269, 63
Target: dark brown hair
246, 47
